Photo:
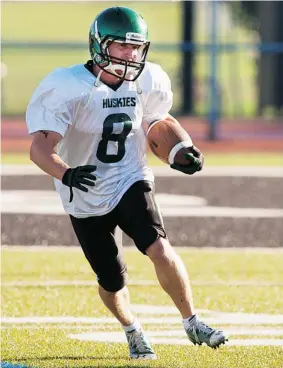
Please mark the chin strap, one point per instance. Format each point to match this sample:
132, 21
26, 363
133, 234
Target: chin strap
139, 90
96, 84
111, 67
97, 81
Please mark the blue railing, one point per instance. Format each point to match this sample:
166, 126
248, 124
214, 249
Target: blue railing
213, 49
272, 47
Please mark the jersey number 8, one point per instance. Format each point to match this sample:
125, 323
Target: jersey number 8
108, 135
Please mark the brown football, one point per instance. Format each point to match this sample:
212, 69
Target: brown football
169, 141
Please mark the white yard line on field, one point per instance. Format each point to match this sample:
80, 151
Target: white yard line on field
109, 337
163, 337
243, 324
221, 319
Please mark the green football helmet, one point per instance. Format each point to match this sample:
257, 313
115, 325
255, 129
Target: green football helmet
118, 24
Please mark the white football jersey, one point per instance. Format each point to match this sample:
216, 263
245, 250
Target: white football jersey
102, 127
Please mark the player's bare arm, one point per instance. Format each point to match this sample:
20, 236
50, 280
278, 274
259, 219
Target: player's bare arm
43, 154
186, 158
171, 118
198, 161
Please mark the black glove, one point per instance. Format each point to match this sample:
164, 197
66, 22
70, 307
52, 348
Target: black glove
195, 162
78, 176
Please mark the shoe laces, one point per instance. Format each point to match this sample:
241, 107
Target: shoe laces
136, 339
202, 327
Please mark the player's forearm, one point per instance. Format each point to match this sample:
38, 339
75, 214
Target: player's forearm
48, 160
171, 118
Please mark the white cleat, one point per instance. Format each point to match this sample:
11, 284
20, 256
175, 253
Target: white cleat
139, 346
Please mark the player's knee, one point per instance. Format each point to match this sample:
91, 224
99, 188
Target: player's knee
160, 249
113, 282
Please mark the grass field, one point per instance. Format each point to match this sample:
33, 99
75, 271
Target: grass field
39, 285
70, 21
229, 159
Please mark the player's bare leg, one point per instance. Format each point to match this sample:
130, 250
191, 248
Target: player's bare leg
172, 275
119, 304
173, 278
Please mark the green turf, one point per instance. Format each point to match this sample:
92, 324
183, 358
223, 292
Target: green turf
48, 345
57, 351
224, 265
69, 22
211, 159
40, 300
245, 267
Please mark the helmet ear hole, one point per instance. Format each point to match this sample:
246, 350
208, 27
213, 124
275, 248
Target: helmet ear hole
91, 47
104, 44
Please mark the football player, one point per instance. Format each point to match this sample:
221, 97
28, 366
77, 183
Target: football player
87, 126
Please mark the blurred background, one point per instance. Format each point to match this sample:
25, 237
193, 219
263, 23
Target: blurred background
225, 60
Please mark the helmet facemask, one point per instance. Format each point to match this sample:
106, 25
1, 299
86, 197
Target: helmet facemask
121, 68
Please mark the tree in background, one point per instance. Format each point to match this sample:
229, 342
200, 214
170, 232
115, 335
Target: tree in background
266, 18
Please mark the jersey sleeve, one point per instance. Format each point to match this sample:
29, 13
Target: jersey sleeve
49, 107
160, 99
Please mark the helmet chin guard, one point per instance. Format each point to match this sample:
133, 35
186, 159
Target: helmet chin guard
123, 69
